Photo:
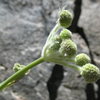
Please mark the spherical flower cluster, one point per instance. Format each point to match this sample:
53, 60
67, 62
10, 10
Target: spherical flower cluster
82, 59
65, 19
90, 73
65, 34
68, 48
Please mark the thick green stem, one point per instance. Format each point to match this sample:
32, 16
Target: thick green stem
12, 79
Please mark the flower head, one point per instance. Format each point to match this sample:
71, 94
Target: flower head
65, 19
68, 48
90, 72
65, 34
82, 59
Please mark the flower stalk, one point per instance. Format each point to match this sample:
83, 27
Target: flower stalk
19, 74
60, 49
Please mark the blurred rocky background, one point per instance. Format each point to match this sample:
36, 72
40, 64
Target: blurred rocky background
24, 27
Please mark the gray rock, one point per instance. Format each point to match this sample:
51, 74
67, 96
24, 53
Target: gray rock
89, 20
22, 35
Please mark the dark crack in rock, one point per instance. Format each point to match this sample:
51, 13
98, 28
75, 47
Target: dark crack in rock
89, 20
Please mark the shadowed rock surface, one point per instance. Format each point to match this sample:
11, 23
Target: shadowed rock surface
24, 27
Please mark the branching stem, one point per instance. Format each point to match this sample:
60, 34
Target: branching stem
19, 74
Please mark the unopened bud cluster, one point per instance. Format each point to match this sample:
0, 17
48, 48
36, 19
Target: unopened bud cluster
61, 49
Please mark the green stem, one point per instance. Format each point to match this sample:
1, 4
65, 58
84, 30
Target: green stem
54, 30
12, 79
65, 62
75, 67
51, 35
